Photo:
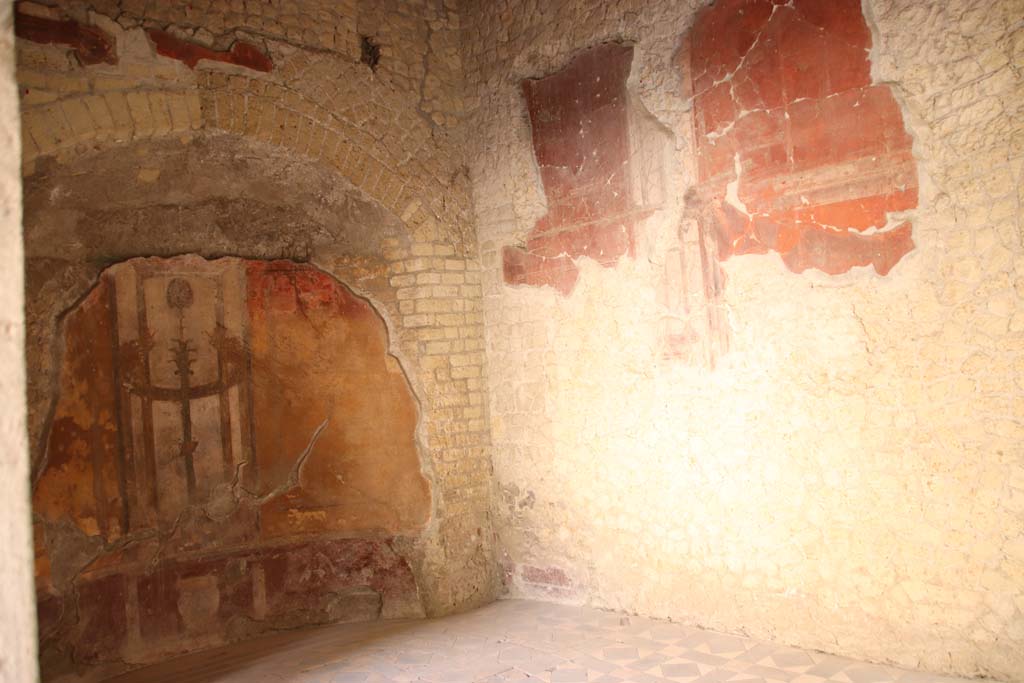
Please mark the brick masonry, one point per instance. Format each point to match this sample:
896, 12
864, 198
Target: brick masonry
384, 136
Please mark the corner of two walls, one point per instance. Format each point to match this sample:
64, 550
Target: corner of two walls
18, 632
765, 410
264, 136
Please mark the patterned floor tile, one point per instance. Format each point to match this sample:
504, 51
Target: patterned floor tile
792, 660
681, 670
518, 642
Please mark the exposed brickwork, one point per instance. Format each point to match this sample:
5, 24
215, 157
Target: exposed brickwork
383, 136
786, 111
352, 123
419, 41
324, 25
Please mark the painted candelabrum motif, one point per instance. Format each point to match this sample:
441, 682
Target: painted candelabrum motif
183, 372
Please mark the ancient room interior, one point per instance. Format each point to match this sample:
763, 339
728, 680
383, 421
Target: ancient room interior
502, 340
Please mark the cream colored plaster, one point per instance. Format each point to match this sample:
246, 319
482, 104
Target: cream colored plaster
849, 475
18, 630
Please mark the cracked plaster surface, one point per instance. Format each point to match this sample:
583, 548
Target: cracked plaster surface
848, 475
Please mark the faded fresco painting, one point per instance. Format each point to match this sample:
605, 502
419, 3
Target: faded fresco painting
232, 449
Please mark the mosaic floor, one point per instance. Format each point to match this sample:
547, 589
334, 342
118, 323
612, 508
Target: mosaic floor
517, 641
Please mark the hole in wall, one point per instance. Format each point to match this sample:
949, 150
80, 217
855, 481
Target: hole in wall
369, 52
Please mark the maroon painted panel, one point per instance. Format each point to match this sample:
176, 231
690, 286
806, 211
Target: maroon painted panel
143, 612
90, 44
784, 106
580, 141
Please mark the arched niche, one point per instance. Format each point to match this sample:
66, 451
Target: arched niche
224, 445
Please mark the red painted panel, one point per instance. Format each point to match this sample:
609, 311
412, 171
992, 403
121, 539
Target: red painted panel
580, 140
90, 44
240, 54
148, 611
784, 107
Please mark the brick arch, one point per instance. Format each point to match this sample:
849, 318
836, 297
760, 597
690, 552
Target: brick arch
350, 123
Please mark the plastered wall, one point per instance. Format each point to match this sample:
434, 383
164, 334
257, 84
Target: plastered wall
18, 654
830, 461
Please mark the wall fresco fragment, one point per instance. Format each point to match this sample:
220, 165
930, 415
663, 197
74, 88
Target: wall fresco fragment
579, 119
798, 151
218, 424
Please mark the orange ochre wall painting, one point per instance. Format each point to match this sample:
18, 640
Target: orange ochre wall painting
232, 450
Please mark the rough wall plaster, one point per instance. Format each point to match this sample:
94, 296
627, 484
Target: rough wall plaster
848, 477
18, 654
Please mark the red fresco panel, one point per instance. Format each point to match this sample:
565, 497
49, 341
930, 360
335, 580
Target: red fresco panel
784, 107
580, 140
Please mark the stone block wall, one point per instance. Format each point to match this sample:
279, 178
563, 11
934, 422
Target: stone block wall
793, 408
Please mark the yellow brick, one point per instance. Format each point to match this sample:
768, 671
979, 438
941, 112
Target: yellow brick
100, 113
339, 156
267, 116
372, 173
319, 141
113, 83
239, 107
66, 85
290, 131
161, 113
142, 118
31, 97
195, 109
117, 104
48, 127
177, 106
304, 135
78, 117
355, 167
